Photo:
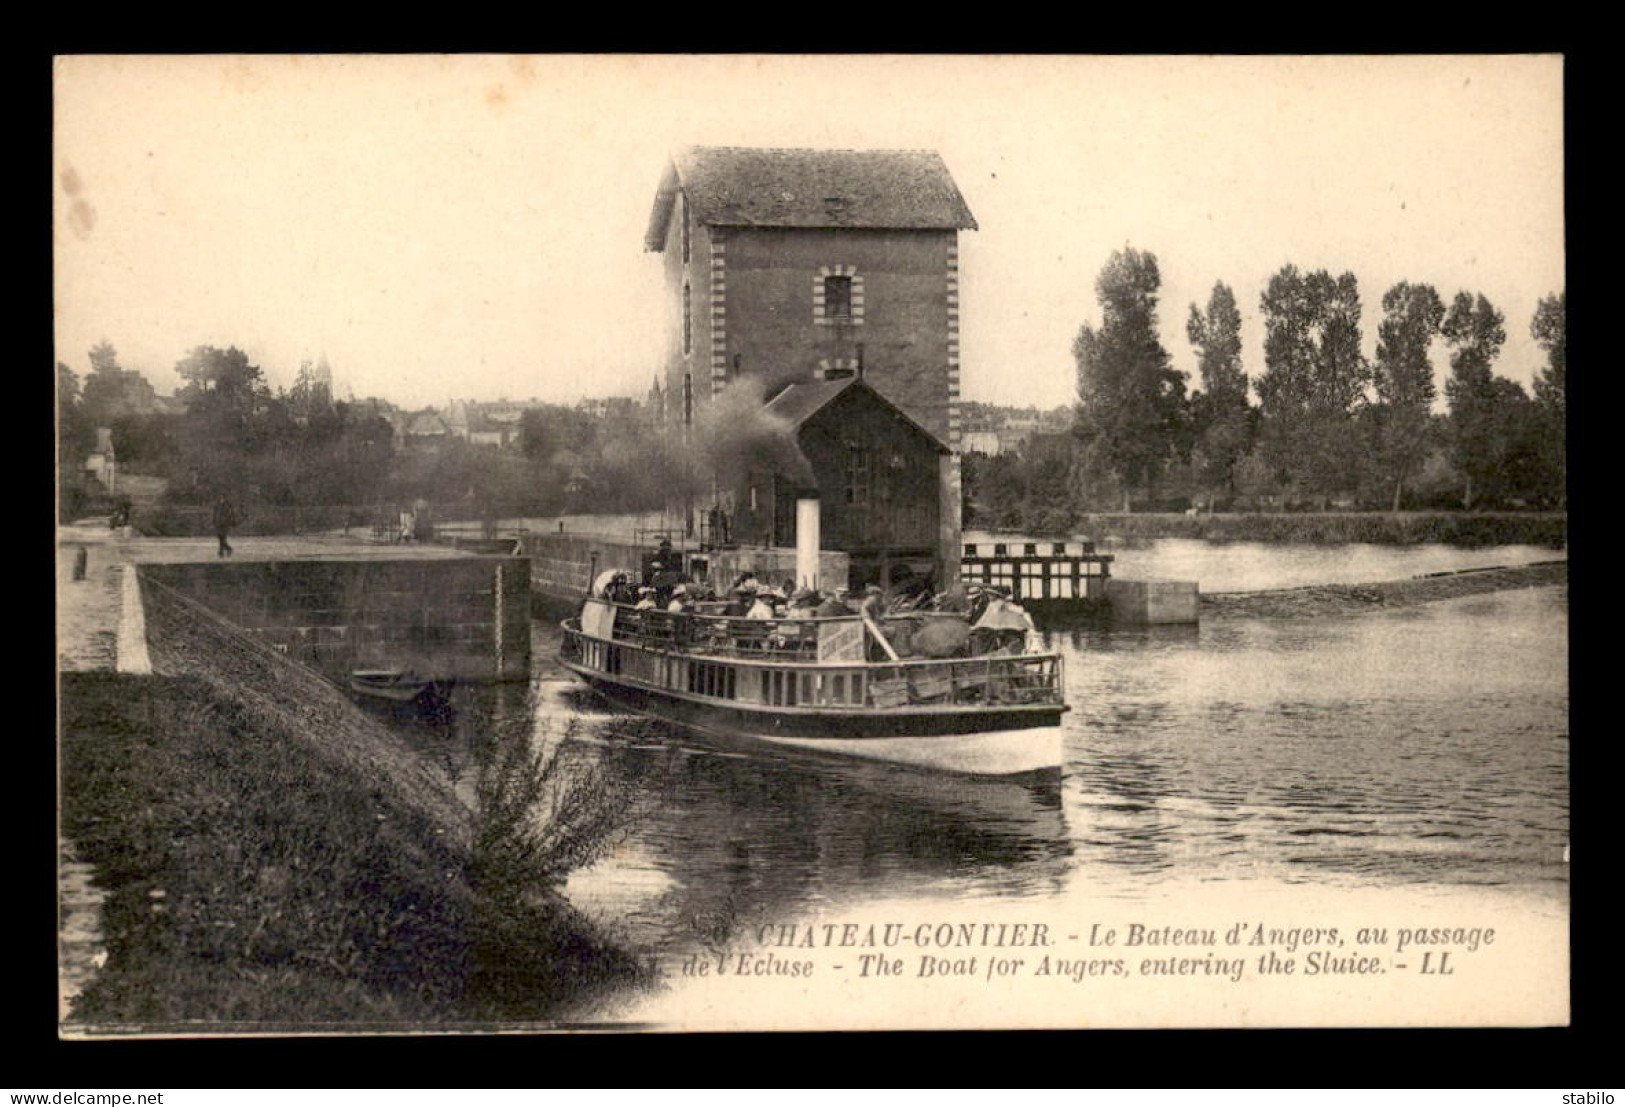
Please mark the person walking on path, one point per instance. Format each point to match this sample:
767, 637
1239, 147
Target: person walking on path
224, 519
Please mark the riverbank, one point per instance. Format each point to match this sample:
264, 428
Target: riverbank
273, 859
1386, 528
1349, 599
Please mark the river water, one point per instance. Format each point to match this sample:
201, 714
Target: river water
1420, 751
1424, 746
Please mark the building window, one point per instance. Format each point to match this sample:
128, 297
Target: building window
838, 296
688, 399
855, 467
685, 226
688, 321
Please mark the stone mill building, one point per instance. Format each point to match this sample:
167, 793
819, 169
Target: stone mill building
788, 271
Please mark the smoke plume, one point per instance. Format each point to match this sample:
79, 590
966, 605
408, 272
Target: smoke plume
734, 433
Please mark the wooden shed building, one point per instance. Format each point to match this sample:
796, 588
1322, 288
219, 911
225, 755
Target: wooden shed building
873, 470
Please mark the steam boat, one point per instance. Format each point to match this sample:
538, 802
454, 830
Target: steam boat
815, 684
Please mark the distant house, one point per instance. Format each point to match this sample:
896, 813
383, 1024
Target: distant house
485, 424
992, 430
981, 442
102, 464
426, 429
609, 407
488, 429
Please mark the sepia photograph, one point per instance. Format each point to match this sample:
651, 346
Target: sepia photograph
690, 543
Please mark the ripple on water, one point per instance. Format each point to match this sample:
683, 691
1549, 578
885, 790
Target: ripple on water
1426, 749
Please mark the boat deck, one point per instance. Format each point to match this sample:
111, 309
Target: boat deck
790, 664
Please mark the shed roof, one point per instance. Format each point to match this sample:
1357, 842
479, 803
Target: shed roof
799, 402
743, 186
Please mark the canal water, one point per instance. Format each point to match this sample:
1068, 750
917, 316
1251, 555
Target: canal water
1421, 751
1426, 746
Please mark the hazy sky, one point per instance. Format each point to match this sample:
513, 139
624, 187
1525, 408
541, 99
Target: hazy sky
473, 226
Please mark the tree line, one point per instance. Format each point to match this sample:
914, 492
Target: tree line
1328, 427
237, 437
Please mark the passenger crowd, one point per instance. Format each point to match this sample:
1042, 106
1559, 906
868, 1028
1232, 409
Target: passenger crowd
995, 620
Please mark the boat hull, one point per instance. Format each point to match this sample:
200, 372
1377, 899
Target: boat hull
392, 694
1008, 741
983, 753
394, 688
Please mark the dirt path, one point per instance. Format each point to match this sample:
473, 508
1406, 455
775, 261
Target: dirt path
1349, 599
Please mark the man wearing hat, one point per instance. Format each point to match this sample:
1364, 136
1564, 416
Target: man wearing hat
834, 607
739, 602
664, 571
980, 596
1004, 625
804, 601
874, 604
620, 589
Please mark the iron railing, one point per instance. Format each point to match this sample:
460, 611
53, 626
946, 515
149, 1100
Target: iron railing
799, 679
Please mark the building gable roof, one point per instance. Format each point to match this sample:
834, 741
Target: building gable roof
742, 186
799, 402
426, 423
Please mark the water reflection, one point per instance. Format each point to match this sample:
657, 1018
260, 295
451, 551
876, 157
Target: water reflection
1420, 746
726, 839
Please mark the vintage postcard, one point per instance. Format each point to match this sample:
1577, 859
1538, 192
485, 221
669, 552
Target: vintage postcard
695, 543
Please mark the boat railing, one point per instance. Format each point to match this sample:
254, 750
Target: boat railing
805, 638
989, 679
958, 681
783, 639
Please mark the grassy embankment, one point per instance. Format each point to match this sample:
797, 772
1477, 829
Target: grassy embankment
1403, 528
1348, 599
274, 858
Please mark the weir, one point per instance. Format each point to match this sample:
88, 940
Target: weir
1068, 580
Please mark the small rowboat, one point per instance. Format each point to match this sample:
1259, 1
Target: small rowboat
809, 684
395, 685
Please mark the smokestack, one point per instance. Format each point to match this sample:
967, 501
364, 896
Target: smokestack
807, 539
